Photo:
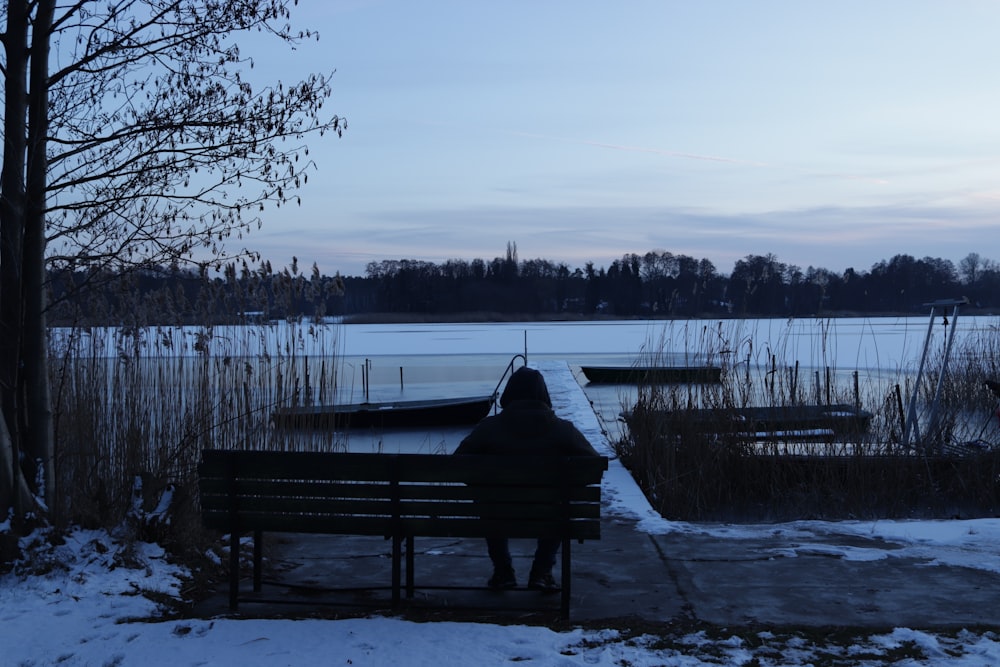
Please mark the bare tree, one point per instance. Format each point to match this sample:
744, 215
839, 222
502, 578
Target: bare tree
132, 136
971, 267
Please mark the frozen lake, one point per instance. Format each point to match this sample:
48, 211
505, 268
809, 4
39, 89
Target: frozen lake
384, 362
463, 359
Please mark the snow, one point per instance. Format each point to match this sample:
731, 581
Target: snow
90, 608
92, 601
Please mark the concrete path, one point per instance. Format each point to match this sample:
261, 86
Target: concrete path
674, 578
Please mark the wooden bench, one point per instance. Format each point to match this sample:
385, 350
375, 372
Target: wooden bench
399, 497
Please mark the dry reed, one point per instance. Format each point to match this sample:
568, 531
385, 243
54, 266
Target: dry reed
726, 473
135, 405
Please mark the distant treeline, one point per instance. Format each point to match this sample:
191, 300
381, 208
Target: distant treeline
657, 284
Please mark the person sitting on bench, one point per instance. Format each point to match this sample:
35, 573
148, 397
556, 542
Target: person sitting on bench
525, 426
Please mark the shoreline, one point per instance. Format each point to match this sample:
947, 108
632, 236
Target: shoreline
487, 317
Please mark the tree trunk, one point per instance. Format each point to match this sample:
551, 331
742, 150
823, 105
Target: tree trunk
14, 492
12, 212
39, 443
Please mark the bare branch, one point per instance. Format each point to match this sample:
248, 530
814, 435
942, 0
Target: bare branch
158, 146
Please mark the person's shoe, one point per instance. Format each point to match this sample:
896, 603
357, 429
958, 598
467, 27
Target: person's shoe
542, 581
502, 580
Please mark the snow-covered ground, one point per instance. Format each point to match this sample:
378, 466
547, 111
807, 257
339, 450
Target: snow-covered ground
92, 600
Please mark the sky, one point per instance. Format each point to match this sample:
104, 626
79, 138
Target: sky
832, 135
85, 600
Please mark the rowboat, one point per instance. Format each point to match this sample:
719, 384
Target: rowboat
395, 414
651, 374
792, 422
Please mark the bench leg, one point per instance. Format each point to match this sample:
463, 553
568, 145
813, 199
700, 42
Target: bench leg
234, 569
409, 566
258, 558
396, 566
566, 578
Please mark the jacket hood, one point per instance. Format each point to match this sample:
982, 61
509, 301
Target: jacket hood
526, 384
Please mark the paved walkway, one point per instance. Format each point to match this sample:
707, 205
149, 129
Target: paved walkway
681, 577
776, 577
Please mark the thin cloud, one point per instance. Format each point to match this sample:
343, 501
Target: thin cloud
705, 158
643, 149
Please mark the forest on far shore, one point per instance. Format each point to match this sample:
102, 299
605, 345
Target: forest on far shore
656, 284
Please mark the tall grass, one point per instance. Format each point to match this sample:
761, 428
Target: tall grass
135, 405
726, 474
144, 403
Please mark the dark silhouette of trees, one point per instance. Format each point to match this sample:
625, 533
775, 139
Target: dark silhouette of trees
595, 286
656, 284
903, 283
623, 285
981, 278
757, 285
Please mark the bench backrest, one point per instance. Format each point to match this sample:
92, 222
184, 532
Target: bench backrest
429, 495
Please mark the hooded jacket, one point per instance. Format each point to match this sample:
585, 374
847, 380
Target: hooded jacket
527, 425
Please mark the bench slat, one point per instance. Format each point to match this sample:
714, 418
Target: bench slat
283, 523
213, 494
222, 487
414, 467
519, 511
310, 506
502, 493
297, 465
543, 470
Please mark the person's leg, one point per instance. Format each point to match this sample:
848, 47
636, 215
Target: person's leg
541, 567
503, 569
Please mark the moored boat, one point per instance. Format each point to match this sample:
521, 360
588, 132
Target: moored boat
757, 423
395, 414
652, 374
